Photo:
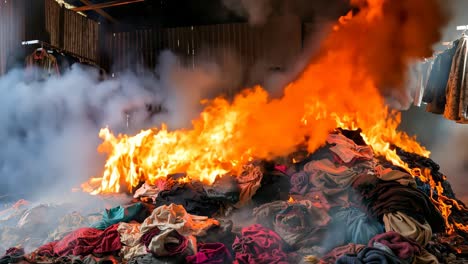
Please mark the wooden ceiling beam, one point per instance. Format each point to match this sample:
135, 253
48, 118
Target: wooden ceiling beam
105, 5
99, 11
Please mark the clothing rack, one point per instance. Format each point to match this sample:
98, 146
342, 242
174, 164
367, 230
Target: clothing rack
43, 44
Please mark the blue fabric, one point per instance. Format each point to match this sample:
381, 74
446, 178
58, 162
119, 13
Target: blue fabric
351, 225
370, 256
118, 214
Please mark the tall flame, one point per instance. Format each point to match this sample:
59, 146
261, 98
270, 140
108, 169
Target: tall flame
341, 87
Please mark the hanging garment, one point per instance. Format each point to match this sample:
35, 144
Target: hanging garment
41, 65
456, 107
424, 70
434, 94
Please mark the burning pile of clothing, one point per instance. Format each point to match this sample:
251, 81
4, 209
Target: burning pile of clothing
340, 204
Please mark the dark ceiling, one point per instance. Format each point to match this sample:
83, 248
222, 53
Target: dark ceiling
171, 13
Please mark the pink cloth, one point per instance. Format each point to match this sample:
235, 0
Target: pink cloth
85, 241
282, 168
347, 150
210, 253
259, 245
401, 246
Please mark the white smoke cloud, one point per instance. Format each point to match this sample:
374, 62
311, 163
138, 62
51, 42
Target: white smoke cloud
49, 129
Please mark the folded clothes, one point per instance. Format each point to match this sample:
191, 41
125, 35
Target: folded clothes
85, 241
351, 225
211, 253
401, 246
119, 214
259, 245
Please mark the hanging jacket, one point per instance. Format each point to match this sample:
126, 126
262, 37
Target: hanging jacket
40, 65
434, 95
457, 87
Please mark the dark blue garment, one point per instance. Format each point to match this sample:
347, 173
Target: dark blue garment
434, 94
370, 255
351, 225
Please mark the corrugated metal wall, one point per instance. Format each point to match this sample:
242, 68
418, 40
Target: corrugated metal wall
47, 21
142, 47
8, 31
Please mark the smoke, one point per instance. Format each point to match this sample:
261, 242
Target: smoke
49, 131
257, 11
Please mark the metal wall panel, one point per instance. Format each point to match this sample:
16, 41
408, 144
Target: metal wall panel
142, 47
47, 21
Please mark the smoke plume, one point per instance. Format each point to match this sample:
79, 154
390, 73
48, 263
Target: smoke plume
49, 132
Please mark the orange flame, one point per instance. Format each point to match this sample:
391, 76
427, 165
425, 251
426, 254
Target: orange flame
337, 89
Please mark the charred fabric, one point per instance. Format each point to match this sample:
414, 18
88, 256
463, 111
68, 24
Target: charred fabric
340, 204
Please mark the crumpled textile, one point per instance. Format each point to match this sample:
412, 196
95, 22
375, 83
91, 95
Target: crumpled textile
336, 253
118, 214
274, 186
211, 253
259, 245
351, 225
408, 227
249, 181
299, 183
456, 106
43, 214
130, 236
151, 259
224, 189
301, 224
347, 150
12, 255
67, 224
150, 190
175, 217
370, 255
402, 178
167, 242
85, 241
401, 246
317, 198
191, 196
391, 197
167, 231
333, 180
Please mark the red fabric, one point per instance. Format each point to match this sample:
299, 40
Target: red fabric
85, 241
401, 246
46, 250
210, 253
259, 245
147, 237
282, 168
